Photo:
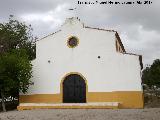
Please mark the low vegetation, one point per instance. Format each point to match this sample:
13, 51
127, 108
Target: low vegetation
151, 84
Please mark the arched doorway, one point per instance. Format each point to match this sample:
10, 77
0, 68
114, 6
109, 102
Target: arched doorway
74, 89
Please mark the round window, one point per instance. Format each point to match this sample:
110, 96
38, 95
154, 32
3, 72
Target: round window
72, 42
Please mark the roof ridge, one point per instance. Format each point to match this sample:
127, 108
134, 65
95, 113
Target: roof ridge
100, 29
49, 35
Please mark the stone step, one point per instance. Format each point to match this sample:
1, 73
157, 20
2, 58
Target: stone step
91, 105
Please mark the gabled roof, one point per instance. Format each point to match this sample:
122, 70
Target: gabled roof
116, 34
49, 35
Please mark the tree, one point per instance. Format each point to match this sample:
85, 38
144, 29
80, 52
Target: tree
17, 48
151, 75
17, 35
151, 83
15, 73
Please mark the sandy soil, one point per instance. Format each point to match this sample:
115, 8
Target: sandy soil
83, 114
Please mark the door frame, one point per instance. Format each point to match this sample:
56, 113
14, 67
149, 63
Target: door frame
62, 80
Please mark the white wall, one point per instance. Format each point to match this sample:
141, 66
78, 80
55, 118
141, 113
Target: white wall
112, 72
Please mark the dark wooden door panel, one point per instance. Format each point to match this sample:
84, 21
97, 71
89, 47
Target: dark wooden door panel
74, 89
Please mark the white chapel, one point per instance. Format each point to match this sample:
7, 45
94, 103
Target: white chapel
83, 67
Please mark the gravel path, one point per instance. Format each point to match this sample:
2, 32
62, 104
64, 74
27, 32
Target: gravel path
83, 114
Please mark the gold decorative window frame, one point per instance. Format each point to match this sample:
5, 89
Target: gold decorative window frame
69, 39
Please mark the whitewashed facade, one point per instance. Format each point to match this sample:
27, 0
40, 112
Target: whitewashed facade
99, 56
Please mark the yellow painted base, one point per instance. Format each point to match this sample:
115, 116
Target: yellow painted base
40, 98
127, 99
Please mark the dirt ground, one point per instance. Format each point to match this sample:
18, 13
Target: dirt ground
83, 114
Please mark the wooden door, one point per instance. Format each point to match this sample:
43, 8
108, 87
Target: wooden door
74, 89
